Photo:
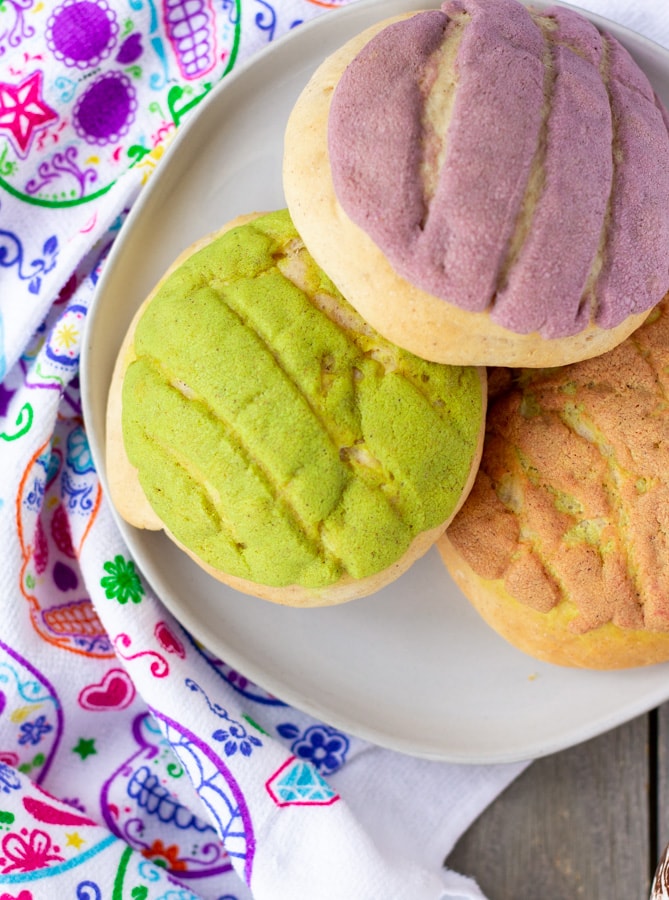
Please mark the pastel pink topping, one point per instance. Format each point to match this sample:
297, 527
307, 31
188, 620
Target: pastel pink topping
551, 203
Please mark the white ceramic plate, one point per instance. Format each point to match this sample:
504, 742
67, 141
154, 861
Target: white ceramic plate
412, 667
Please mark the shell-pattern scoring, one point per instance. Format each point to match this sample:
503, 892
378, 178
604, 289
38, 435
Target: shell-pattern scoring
508, 161
571, 501
307, 446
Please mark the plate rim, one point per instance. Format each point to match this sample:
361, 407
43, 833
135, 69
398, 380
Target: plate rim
302, 700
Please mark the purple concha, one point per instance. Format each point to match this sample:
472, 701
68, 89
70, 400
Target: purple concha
510, 161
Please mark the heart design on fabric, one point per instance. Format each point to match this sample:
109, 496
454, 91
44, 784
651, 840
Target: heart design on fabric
65, 578
168, 640
131, 50
115, 691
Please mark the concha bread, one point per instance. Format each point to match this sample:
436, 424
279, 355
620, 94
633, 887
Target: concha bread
563, 542
291, 451
485, 183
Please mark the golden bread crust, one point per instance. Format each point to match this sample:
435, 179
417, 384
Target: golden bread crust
547, 636
563, 542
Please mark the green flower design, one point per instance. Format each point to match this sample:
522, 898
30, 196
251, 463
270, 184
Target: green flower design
123, 582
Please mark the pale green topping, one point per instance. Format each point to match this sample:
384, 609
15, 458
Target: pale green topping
510, 491
575, 418
529, 406
276, 434
588, 531
565, 502
529, 470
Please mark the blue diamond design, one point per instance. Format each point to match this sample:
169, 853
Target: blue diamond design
301, 783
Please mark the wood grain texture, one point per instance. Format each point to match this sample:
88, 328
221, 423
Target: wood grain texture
661, 822
574, 825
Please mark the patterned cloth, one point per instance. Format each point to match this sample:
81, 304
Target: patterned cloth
134, 764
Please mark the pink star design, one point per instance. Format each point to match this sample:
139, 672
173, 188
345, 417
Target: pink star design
23, 111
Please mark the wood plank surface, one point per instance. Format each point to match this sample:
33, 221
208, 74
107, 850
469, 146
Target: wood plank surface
662, 817
577, 824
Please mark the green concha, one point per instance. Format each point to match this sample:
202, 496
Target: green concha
276, 435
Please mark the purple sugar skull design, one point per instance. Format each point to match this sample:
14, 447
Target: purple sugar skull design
219, 791
57, 501
99, 86
105, 112
148, 801
81, 33
30, 715
188, 26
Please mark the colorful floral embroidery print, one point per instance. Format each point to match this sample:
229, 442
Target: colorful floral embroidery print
25, 852
146, 802
9, 780
32, 732
14, 254
167, 857
94, 88
122, 583
78, 452
321, 745
236, 738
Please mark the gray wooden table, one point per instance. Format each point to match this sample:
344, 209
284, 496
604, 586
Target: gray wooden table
589, 822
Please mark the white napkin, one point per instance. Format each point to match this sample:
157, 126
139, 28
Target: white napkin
647, 17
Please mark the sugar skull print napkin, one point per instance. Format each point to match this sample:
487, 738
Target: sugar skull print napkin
135, 764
